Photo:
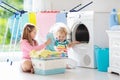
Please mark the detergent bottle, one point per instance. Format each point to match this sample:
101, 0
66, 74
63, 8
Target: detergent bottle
113, 18
119, 16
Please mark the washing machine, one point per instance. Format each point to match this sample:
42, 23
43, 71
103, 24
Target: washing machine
81, 25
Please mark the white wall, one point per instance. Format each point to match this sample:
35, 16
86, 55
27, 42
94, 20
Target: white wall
64, 4
43, 5
102, 5
106, 5
27, 5
98, 5
101, 24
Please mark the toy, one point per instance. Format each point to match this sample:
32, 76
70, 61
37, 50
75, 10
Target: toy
61, 48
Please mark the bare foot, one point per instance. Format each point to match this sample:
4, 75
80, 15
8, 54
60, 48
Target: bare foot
32, 70
70, 67
67, 67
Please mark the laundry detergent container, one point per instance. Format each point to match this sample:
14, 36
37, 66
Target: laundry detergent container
102, 58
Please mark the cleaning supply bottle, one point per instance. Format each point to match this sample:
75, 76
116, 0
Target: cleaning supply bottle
118, 16
113, 18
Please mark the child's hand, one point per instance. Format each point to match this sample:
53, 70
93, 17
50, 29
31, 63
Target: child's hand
48, 42
75, 42
71, 45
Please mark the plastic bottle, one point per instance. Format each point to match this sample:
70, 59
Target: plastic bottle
118, 16
113, 18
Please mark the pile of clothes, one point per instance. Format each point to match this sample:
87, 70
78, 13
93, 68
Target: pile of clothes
47, 54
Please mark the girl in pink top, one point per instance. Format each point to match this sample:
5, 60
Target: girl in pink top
28, 43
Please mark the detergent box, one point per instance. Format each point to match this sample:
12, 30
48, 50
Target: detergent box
47, 62
49, 66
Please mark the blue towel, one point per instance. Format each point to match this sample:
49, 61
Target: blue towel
13, 22
17, 22
61, 17
51, 45
24, 19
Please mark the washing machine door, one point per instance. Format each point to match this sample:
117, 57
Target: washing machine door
80, 33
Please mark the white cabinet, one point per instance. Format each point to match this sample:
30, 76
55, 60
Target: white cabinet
114, 51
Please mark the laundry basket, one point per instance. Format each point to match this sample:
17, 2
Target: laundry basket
102, 58
49, 66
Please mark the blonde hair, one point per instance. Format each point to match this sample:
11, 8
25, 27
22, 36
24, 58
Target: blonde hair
27, 33
61, 30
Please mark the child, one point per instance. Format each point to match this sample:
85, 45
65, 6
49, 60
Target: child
28, 43
61, 43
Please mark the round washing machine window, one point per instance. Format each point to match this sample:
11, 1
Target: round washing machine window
80, 33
